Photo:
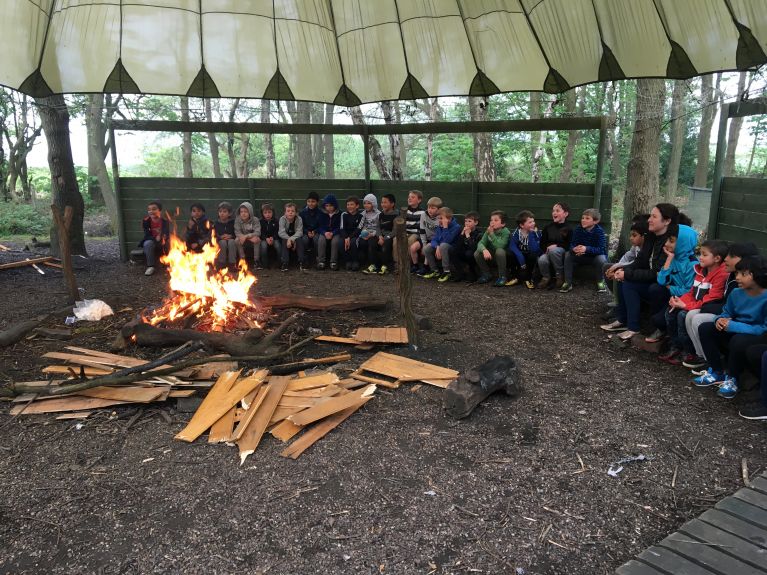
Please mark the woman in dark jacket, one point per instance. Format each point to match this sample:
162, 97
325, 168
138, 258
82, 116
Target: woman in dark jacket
638, 280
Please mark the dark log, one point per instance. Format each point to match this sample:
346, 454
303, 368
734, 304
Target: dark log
63, 225
17, 331
464, 394
151, 336
323, 303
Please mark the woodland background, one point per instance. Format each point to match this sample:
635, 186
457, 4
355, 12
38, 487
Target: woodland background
659, 143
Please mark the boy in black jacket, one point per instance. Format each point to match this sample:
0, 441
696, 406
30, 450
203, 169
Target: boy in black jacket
462, 250
386, 239
223, 231
350, 231
310, 218
197, 228
269, 238
555, 241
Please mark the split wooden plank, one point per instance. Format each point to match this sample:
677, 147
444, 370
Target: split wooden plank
213, 408
91, 360
182, 393
313, 381
72, 403
320, 430
282, 413
27, 262
68, 369
288, 401
250, 412
75, 415
366, 378
286, 430
132, 394
406, 369
212, 370
249, 440
336, 339
115, 359
331, 406
381, 335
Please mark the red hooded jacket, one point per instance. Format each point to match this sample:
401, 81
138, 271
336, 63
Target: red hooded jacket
707, 287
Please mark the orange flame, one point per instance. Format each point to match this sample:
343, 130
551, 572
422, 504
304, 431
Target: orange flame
200, 290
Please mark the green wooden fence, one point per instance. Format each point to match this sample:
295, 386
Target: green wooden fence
177, 194
742, 211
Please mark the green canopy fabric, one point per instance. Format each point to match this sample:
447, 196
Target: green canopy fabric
353, 51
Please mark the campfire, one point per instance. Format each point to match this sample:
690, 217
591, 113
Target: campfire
203, 298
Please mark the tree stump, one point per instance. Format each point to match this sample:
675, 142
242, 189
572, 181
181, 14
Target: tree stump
497, 374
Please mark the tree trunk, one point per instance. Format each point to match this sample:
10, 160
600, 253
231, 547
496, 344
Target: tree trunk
97, 150
642, 176
303, 141
186, 148
484, 159
757, 136
403, 141
734, 133
678, 128
541, 136
243, 169
266, 116
213, 143
329, 147
708, 103
376, 153
575, 100
232, 171
318, 141
54, 117
433, 111
394, 142
533, 112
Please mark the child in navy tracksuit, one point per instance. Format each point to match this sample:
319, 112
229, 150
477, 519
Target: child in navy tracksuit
310, 220
438, 248
329, 233
386, 226
350, 231
198, 228
742, 324
270, 227
462, 250
588, 246
525, 246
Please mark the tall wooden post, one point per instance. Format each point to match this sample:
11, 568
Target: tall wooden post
404, 281
62, 227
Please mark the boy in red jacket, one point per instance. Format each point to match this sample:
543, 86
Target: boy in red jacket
708, 286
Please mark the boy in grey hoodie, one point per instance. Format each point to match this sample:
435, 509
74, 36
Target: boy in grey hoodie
247, 232
369, 232
291, 232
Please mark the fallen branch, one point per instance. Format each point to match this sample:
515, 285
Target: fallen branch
27, 262
323, 303
144, 334
17, 331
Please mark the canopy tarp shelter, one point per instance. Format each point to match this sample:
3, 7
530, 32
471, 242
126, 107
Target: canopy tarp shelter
353, 51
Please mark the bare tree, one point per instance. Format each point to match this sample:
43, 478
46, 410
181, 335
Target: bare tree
403, 140
329, 146
394, 142
734, 134
213, 143
642, 177
575, 103
541, 141
484, 160
300, 113
376, 153
708, 105
54, 117
678, 129
20, 132
186, 138
100, 109
433, 110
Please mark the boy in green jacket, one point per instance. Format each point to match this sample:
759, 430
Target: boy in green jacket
493, 246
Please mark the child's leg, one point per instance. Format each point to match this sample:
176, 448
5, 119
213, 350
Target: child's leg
500, 260
231, 251
387, 252
514, 269
544, 265
301, 251
530, 262
682, 339
657, 296
256, 247
599, 263
692, 322
263, 253
711, 340
431, 258
670, 324
150, 253
482, 264
284, 253
444, 253
240, 249
738, 347
335, 248
569, 264
415, 249
322, 243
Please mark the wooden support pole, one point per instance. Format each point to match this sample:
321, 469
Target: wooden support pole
404, 281
62, 227
716, 187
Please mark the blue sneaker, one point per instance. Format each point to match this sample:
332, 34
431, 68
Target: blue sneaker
708, 379
483, 279
500, 282
729, 388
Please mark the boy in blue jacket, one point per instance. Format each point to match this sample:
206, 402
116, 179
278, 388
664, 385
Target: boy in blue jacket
350, 231
587, 247
438, 248
525, 246
329, 232
742, 324
310, 220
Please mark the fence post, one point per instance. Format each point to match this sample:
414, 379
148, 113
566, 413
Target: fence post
716, 185
366, 148
601, 151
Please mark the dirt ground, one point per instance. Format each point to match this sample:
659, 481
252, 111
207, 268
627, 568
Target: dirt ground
398, 488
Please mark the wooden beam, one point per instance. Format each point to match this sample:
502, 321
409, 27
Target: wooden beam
601, 154
716, 189
118, 196
493, 126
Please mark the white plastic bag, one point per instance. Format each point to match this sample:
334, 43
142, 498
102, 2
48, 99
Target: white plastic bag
91, 310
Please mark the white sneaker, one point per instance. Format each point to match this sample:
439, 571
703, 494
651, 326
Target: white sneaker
627, 335
617, 325
149, 271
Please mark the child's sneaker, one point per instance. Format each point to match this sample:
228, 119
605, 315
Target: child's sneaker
384, 270
483, 279
566, 287
708, 379
334, 266
284, 268
529, 285
560, 282
755, 410
371, 269
321, 266
430, 275
355, 266
693, 361
414, 268
616, 325
512, 282
301, 267
655, 336
445, 277
601, 287
729, 388
348, 266
671, 356
700, 371
149, 271
422, 271
500, 282
544, 283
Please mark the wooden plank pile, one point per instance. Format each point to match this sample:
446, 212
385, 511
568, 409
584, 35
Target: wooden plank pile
45, 260
240, 409
78, 362
397, 370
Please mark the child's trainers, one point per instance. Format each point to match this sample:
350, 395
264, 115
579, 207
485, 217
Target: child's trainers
284, 267
601, 287
384, 270
414, 268
693, 361
566, 287
422, 271
708, 379
334, 266
371, 269
529, 285
500, 282
483, 279
445, 277
430, 275
321, 266
729, 388
512, 282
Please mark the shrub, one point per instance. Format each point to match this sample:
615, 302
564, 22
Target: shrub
24, 219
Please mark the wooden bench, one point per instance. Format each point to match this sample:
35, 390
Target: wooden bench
730, 539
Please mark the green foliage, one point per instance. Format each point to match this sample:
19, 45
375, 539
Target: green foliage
23, 219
